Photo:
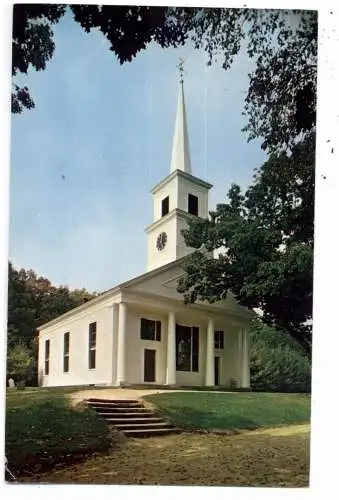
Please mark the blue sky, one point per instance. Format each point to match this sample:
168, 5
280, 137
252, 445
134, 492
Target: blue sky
108, 130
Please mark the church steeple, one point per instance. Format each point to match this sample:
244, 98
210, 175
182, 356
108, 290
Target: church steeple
177, 198
180, 150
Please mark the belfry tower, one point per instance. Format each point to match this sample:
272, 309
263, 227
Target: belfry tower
177, 198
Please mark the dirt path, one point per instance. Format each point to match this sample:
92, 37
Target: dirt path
277, 457
122, 393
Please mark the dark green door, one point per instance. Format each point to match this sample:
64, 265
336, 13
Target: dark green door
149, 365
217, 370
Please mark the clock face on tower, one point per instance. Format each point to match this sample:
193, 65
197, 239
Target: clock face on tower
161, 241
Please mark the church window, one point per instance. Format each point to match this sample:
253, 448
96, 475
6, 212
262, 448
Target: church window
192, 204
150, 329
47, 350
187, 348
165, 206
92, 345
219, 339
66, 352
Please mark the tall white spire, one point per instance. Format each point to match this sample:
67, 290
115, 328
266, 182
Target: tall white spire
180, 150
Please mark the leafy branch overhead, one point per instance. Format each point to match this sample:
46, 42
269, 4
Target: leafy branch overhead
32, 45
281, 98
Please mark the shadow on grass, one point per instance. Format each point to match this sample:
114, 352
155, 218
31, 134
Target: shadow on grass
47, 433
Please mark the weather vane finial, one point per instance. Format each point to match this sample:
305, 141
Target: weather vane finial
181, 69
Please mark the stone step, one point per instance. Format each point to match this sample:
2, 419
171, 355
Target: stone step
114, 405
117, 409
117, 421
138, 426
145, 433
131, 417
126, 416
113, 401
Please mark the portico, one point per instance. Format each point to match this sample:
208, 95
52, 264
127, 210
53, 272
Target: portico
179, 348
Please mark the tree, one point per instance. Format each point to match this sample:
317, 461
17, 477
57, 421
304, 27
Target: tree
128, 29
281, 99
267, 237
21, 309
33, 301
277, 362
32, 45
21, 362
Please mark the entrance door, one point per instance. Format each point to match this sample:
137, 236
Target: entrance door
149, 365
217, 370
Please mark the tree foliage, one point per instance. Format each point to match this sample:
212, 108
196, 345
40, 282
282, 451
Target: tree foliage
267, 239
21, 362
32, 45
277, 362
281, 99
33, 301
128, 29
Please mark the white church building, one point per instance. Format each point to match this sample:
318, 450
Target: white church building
141, 332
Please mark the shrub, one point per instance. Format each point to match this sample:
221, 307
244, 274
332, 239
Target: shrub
277, 363
20, 363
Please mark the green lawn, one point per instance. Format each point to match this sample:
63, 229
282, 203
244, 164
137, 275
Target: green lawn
42, 429
204, 410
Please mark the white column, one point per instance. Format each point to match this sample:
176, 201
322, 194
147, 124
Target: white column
114, 342
245, 360
209, 374
171, 348
121, 354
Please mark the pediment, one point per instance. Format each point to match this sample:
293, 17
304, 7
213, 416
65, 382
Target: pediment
164, 284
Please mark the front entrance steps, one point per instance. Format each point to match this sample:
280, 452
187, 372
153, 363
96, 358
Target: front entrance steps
131, 417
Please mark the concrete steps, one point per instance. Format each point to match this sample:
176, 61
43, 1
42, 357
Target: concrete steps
131, 417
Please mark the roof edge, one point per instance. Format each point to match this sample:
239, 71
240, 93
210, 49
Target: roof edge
111, 292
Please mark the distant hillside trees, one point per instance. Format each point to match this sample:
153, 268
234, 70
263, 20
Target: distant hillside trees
33, 301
